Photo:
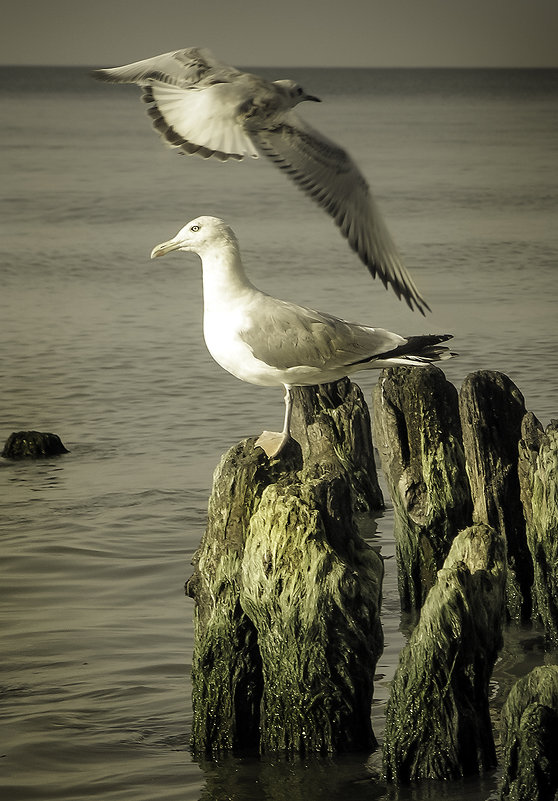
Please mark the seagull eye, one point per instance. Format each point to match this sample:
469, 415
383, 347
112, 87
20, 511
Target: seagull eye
194, 228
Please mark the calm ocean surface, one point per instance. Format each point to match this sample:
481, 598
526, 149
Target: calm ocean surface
104, 347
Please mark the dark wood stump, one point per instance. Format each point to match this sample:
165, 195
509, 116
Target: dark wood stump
437, 721
538, 477
287, 629
530, 738
332, 425
492, 409
418, 435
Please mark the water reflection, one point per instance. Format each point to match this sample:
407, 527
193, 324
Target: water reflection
238, 779
346, 778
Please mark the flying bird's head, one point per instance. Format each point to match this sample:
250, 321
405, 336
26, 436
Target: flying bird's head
197, 236
295, 92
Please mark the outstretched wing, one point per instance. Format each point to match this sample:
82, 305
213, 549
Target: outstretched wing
193, 100
327, 174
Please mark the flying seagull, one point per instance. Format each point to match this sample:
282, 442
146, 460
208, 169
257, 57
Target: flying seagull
270, 342
205, 107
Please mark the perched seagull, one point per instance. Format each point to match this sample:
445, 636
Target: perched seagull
270, 342
203, 106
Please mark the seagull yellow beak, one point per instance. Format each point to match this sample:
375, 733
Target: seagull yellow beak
164, 248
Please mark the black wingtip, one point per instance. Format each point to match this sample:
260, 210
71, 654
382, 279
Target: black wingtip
423, 307
414, 303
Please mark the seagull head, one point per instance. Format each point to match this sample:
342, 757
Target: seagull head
294, 92
197, 236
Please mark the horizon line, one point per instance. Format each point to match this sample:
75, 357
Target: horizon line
329, 66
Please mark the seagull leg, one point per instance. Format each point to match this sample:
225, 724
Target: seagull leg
273, 442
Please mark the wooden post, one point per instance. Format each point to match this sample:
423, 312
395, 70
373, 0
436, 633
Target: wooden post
491, 409
437, 720
332, 426
530, 737
538, 477
287, 628
418, 435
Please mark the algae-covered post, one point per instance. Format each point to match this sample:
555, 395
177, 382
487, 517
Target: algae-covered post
418, 435
287, 627
530, 737
538, 477
491, 409
288, 592
437, 721
332, 427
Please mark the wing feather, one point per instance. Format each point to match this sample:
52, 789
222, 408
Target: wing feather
193, 66
294, 336
193, 100
325, 172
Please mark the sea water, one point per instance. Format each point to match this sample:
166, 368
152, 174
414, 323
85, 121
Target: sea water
104, 347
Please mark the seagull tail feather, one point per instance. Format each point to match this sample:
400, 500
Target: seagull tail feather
417, 351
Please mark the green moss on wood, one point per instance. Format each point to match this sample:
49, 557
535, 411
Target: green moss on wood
288, 595
437, 720
316, 613
331, 423
530, 738
538, 471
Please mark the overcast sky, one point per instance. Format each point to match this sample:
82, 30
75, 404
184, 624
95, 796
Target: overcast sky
390, 33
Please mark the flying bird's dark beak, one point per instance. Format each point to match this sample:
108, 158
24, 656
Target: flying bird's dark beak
313, 98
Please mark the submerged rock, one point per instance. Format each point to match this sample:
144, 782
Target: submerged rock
32, 445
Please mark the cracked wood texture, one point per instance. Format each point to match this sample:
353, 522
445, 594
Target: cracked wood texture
418, 434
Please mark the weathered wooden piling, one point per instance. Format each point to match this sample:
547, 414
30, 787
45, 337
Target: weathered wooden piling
332, 426
287, 628
530, 738
418, 435
511, 467
492, 409
288, 593
32, 445
538, 477
437, 720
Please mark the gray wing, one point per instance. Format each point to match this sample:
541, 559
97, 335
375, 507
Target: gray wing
293, 336
193, 100
193, 66
326, 173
